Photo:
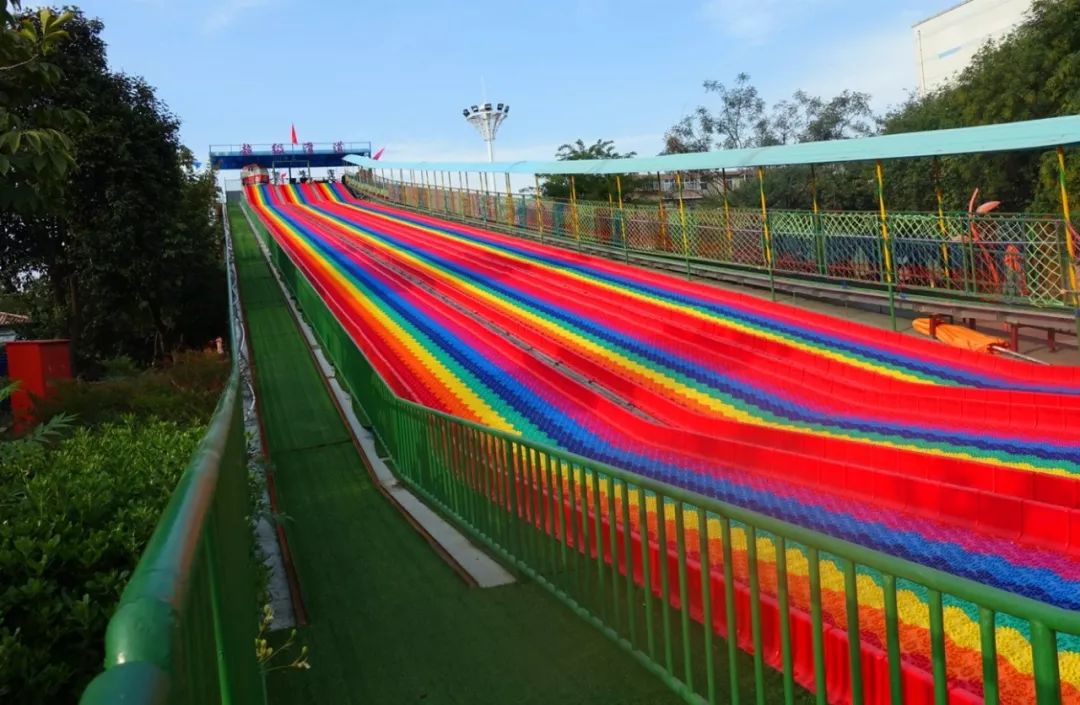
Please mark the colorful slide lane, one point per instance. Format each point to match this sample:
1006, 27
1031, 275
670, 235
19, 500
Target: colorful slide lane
756, 404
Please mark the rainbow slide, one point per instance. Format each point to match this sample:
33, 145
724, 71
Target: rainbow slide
956, 460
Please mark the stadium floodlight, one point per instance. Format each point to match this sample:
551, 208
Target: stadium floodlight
486, 120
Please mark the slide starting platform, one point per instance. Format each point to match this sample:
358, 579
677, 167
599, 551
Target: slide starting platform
283, 155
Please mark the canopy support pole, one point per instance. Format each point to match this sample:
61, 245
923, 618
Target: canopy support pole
766, 236
573, 212
1070, 244
682, 223
464, 176
946, 265
539, 208
727, 217
819, 235
622, 220
462, 194
509, 203
484, 201
886, 244
663, 218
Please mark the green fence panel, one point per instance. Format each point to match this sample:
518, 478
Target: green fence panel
185, 627
1016, 258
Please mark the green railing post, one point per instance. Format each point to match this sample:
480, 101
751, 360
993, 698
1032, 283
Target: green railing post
662, 559
988, 646
851, 608
705, 566
937, 649
813, 559
1044, 654
646, 570
892, 641
755, 615
684, 596
787, 667
729, 613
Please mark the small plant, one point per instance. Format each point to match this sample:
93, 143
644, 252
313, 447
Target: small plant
119, 366
13, 449
186, 392
266, 654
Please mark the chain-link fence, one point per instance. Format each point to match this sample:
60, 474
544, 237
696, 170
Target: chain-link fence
1009, 257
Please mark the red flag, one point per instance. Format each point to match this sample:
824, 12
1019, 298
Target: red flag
294, 140
379, 153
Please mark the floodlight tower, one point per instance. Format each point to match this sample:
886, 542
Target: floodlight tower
486, 119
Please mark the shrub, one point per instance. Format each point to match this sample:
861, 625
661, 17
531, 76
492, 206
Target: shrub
74, 519
186, 391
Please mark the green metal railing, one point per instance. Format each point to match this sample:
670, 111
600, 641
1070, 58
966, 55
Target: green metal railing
185, 627
1016, 258
706, 611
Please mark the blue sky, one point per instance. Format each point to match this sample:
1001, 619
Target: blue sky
398, 72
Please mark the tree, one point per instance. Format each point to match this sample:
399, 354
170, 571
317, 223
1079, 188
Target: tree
35, 151
1032, 73
738, 122
127, 259
742, 121
589, 187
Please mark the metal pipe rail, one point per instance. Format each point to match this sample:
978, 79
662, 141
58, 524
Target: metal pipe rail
184, 629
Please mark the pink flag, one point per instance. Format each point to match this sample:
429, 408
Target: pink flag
379, 153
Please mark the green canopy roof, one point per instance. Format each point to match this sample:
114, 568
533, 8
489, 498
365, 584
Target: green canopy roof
1007, 137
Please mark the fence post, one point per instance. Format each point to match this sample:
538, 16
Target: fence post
622, 220
1070, 245
766, 236
727, 216
663, 217
682, 223
539, 208
946, 265
468, 197
463, 193
819, 236
886, 244
484, 198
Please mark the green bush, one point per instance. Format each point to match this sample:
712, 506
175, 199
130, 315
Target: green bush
74, 519
186, 391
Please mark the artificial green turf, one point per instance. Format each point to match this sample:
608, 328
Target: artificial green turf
390, 621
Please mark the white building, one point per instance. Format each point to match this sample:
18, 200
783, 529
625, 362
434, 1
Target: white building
946, 42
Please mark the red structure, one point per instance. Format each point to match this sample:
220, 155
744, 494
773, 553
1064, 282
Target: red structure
33, 364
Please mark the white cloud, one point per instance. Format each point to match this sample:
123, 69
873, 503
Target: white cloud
227, 12
754, 21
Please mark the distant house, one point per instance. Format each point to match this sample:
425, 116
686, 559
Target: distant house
9, 322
